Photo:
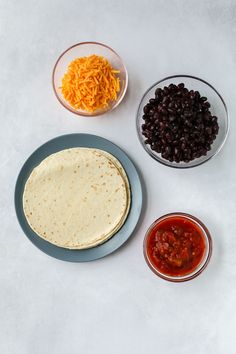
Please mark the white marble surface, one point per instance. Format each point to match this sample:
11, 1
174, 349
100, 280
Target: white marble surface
116, 305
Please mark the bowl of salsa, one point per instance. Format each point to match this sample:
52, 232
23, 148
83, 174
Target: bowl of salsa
177, 247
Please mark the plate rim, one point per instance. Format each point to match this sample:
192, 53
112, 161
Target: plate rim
48, 248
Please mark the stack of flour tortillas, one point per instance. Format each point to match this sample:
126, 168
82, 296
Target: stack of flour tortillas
77, 198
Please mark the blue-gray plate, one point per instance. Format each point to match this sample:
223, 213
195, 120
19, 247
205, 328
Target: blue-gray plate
80, 140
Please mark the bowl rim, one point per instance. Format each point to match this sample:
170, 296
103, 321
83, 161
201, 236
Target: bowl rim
162, 161
203, 264
98, 113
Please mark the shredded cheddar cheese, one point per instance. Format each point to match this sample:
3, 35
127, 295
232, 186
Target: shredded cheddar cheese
90, 83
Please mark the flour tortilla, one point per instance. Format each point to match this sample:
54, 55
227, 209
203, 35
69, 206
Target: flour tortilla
120, 168
77, 198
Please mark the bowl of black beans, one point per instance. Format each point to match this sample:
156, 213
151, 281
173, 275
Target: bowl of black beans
182, 121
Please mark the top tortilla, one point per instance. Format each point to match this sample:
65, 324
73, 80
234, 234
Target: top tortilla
77, 198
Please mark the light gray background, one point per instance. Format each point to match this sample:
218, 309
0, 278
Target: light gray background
116, 305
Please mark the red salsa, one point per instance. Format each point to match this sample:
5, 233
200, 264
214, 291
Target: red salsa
175, 246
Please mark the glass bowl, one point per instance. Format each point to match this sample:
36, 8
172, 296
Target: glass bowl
206, 256
81, 50
218, 108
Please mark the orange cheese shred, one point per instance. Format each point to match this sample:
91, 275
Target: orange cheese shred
90, 83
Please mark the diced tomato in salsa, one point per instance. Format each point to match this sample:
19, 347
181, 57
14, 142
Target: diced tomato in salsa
175, 246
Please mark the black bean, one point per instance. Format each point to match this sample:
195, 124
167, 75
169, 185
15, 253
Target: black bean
178, 123
171, 104
206, 105
152, 100
163, 142
162, 126
165, 118
179, 111
187, 151
156, 115
164, 111
175, 129
166, 100
146, 108
208, 130
158, 91
151, 112
168, 149
172, 117
215, 128
166, 90
176, 151
214, 119
164, 155
178, 93
171, 110
169, 136
181, 85
148, 134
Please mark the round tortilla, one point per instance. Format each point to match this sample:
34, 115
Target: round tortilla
77, 198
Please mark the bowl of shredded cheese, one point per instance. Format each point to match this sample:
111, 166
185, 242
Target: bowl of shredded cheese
90, 79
